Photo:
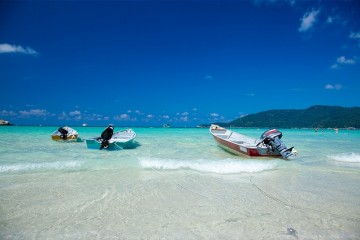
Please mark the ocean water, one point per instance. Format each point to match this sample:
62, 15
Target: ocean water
177, 184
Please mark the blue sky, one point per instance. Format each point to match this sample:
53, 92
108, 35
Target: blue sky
146, 63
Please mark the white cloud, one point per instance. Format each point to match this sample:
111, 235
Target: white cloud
330, 20
129, 115
184, 118
354, 35
165, 117
260, 2
214, 114
343, 60
7, 113
34, 113
334, 66
333, 87
125, 117
94, 116
150, 116
74, 113
308, 20
336, 19
7, 48
63, 116
138, 112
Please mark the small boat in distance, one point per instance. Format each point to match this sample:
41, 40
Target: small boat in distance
119, 140
66, 134
269, 143
5, 123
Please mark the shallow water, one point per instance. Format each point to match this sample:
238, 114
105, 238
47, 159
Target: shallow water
177, 184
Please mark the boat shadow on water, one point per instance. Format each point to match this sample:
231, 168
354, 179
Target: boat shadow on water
128, 146
133, 145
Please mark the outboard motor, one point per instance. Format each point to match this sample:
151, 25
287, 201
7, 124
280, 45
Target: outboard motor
272, 138
63, 133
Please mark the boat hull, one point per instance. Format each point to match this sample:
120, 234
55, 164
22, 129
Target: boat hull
120, 140
72, 138
243, 150
241, 145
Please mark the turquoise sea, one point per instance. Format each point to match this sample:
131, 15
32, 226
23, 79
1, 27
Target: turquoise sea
177, 184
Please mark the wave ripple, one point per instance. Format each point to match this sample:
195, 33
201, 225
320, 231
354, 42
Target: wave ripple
224, 166
23, 167
346, 157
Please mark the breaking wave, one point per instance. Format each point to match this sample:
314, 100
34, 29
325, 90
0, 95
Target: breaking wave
23, 167
225, 166
346, 157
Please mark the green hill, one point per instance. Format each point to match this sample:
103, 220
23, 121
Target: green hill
315, 116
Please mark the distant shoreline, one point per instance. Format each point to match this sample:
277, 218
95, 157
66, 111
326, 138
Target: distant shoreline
196, 127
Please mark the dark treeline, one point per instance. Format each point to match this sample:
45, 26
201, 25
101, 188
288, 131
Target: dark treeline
312, 117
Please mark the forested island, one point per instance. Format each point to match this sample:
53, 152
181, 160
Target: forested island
313, 117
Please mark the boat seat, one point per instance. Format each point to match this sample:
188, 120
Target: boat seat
121, 138
223, 136
219, 130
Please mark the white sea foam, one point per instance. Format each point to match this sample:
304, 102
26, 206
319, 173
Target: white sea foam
346, 157
21, 167
225, 166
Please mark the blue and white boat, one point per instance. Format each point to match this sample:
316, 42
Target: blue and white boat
119, 140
